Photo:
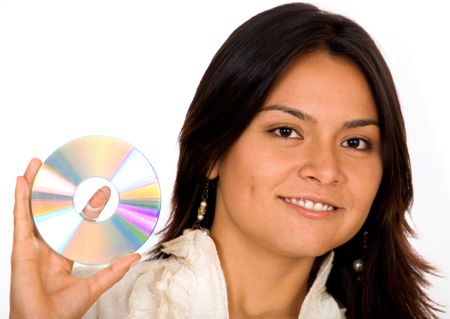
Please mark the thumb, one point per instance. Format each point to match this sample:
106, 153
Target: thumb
97, 202
106, 278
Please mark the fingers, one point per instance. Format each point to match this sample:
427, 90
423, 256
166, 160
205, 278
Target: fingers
107, 277
97, 202
32, 169
23, 224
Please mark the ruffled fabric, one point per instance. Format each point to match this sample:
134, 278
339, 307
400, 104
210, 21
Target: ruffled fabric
190, 284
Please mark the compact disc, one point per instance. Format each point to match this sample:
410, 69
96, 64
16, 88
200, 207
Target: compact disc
68, 180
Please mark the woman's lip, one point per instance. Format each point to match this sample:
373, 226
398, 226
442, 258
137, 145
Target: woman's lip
314, 199
312, 214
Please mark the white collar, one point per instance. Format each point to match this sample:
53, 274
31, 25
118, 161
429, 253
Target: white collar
196, 250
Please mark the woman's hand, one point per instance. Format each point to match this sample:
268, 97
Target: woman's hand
41, 282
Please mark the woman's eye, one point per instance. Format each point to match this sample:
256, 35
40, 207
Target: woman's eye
357, 144
286, 132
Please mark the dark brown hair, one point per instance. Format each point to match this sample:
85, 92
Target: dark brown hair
229, 96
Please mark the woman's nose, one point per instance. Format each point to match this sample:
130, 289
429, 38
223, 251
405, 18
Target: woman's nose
321, 164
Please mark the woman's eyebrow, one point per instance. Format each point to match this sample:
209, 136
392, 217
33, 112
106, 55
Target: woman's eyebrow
360, 123
309, 118
290, 110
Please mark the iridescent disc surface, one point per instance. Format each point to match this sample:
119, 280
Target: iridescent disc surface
68, 179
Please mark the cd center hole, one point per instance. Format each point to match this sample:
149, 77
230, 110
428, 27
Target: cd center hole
96, 199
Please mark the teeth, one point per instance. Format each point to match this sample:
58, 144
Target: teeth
309, 204
317, 206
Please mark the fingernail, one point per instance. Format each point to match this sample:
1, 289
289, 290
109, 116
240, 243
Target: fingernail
97, 202
32, 164
100, 198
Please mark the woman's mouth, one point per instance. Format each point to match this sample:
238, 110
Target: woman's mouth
309, 204
311, 208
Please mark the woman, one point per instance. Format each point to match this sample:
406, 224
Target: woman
293, 154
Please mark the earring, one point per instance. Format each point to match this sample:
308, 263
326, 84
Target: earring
358, 264
202, 208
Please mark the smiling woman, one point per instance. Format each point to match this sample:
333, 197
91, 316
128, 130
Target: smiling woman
298, 127
292, 187
305, 168
297, 184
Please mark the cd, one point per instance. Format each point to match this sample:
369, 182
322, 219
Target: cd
66, 184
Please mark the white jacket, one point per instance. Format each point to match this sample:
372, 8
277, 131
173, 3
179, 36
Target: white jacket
190, 284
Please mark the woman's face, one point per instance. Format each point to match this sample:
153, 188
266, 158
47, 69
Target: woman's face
301, 178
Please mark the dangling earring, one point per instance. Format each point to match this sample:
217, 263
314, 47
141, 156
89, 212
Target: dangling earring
202, 208
358, 264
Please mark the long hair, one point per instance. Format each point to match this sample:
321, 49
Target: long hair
230, 94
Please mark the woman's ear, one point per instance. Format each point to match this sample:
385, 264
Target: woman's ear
213, 172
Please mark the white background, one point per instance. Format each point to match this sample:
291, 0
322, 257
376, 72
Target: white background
129, 69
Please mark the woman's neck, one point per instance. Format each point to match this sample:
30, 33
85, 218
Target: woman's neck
260, 282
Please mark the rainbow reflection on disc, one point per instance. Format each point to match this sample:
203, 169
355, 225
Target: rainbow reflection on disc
67, 180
